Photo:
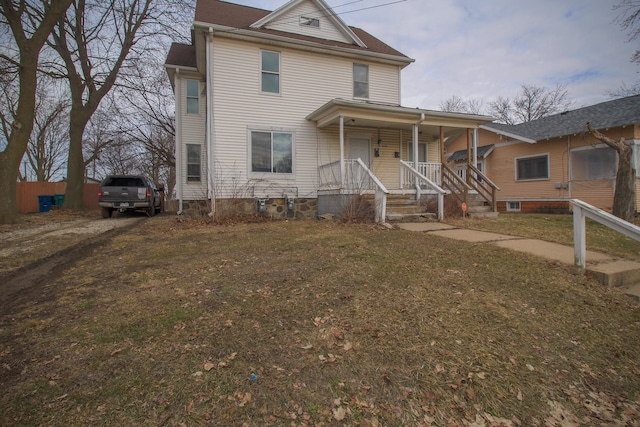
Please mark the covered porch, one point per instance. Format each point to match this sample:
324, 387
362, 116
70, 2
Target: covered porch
383, 149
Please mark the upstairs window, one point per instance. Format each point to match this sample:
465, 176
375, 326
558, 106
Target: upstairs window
272, 152
360, 81
193, 97
310, 22
534, 167
270, 71
193, 163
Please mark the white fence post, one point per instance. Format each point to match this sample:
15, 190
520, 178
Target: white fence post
579, 237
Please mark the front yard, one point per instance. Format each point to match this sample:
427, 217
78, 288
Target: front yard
317, 323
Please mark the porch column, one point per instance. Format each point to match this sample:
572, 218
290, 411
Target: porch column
468, 153
442, 159
342, 169
415, 147
475, 148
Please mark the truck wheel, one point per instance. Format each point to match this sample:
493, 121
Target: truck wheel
107, 212
151, 211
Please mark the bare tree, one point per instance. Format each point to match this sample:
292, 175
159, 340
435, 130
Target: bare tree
48, 143
532, 103
629, 20
624, 195
455, 104
28, 25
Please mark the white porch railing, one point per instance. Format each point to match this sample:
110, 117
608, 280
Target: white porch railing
427, 169
358, 179
419, 180
581, 211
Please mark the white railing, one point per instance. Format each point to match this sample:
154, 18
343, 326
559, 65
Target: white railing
430, 170
581, 211
329, 175
418, 180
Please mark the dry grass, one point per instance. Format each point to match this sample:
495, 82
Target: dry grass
318, 323
554, 228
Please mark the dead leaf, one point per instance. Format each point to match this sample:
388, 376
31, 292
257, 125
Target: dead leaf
339, 413
209, 366
306, 347
520, 397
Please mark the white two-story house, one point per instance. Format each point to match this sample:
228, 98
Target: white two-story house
293, 113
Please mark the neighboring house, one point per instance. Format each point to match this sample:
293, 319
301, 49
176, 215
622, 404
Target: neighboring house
293, 113
540, 165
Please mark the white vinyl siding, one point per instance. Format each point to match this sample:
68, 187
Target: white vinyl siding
312, 79
290, 22
193, 132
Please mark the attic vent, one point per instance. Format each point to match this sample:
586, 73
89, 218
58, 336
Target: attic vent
310, 22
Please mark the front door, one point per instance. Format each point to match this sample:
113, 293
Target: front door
358, 148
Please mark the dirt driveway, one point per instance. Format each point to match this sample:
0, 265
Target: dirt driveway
45, 244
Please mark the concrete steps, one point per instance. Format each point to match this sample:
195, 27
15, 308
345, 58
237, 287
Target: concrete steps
623, 274
403, 208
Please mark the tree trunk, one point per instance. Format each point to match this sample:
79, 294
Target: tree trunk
21, 129
75, 164
624, 196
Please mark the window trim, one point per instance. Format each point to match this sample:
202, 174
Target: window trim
354, 81
198, 179
188, 97
271, 175
278, 73
532, 156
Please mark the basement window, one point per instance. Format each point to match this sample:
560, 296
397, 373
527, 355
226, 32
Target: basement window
513, 206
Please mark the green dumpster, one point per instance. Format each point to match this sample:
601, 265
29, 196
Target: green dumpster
58, 199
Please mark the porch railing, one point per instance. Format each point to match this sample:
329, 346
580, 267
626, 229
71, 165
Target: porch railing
582, 210
358, 178
456, 185
419, 180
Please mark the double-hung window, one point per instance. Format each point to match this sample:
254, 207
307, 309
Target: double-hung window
194, 163
593, 163
193, 97
360, 81
270, 71
272, 152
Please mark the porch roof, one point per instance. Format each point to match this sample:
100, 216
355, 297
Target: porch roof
373, 114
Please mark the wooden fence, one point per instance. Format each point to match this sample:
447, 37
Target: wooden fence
27, 194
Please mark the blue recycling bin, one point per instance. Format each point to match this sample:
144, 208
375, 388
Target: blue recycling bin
45, 203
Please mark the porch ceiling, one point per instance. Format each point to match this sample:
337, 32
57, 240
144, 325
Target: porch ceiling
375, 115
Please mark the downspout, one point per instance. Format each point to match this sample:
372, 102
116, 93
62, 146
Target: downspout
210, 121
178, 144
569, 166
342, 168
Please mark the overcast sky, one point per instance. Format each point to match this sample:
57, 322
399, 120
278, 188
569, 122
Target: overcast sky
488, 48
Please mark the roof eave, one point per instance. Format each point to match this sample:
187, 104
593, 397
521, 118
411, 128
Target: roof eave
508, 134
251, 35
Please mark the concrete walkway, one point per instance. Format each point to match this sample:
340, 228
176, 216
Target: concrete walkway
608, 269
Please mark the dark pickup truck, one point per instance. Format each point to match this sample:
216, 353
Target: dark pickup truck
128, 192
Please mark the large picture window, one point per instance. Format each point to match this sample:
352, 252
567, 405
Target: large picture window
272, 152
360, 81
534, 167
194, 163
593, 163
193, 97
270, 71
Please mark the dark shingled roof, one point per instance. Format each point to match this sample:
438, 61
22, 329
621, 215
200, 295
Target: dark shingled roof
610, 114
182, 55
462, 154
241, 17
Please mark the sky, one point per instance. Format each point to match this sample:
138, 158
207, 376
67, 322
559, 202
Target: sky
483, 49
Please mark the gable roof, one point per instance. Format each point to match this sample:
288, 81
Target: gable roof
483, 151
322, 6
181, 55
609, 114
237, 19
